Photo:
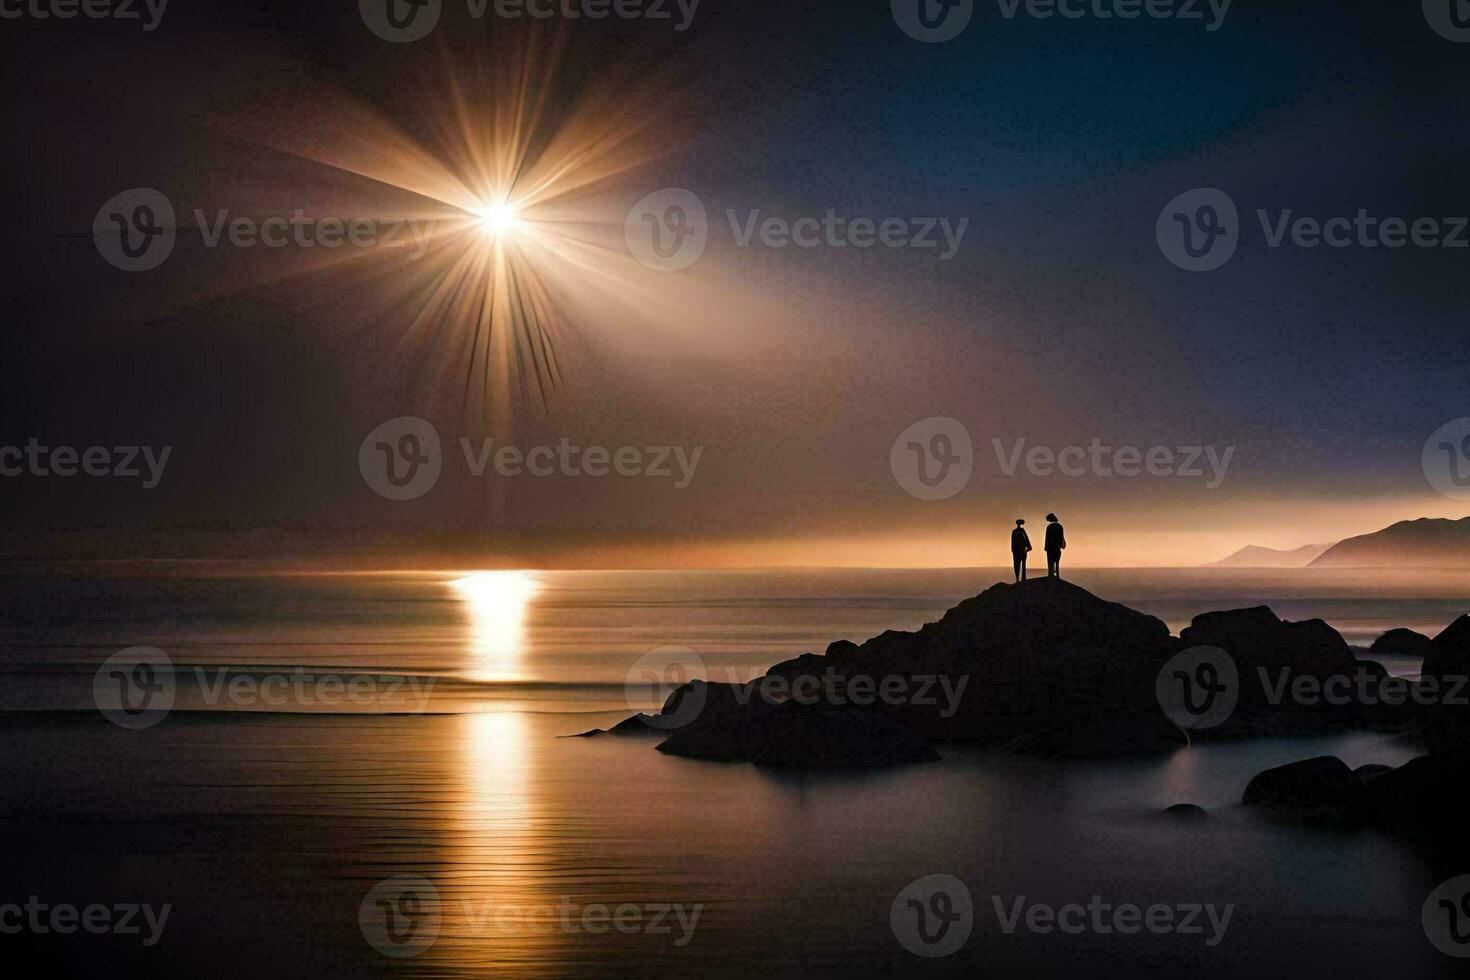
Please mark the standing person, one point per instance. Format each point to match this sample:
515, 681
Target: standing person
1020, 544
1056, 543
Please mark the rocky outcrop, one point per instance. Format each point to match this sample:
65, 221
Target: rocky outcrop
1401, 642
1042, 666
1445, 681
1422, 802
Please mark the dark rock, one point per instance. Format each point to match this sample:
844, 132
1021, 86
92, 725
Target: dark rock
1405, 643
1017, 658
800, 737
736, 737
1370, 772
1424, 803
1323, 787
639, 724
842, 740
1186, 811
1136, 733
1445, 718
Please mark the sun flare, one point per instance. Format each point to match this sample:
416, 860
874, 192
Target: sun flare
497, 603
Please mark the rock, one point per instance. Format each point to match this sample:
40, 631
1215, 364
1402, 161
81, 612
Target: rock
802, 738
1269, 651
1368, 773
722, 738
843, 740
1323, 787
1445, 720
1136, 733
639, 724
1424, 801
1014, 659
1404, 643
1186, 811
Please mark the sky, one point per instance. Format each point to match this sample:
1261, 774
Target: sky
793, 382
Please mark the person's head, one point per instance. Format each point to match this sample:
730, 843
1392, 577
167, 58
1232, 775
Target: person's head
1051, 518
1020, 521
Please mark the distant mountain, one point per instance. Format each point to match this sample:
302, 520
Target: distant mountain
1252, 556
1425, 543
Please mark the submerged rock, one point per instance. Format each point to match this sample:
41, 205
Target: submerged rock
1186, 811
1323, 787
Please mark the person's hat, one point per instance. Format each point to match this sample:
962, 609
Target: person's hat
1020, 521
1051, 517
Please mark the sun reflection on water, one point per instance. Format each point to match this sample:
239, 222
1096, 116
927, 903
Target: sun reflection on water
497, 603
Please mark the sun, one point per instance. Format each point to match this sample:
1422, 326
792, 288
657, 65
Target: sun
499, 220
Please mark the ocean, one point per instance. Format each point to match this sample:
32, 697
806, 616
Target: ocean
366, 775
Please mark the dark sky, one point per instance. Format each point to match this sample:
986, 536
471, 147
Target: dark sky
1059, 320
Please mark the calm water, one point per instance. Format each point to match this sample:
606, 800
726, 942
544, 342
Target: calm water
265, 824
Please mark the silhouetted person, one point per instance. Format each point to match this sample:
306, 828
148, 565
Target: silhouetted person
1020, 544
1056, 543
